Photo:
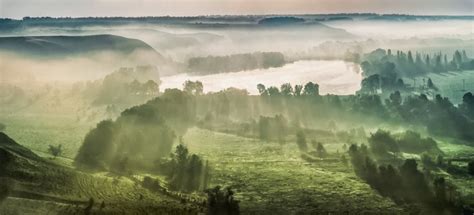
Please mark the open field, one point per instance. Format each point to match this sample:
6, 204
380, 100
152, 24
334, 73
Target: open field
269, 176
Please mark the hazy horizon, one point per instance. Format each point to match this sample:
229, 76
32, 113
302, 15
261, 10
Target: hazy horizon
111, 8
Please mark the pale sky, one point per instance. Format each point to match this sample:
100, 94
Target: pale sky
78, 8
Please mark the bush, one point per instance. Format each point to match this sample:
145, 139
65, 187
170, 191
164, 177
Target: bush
301, 140
222, 202
55, 150
187, 172
151, 184
381, 142
470, 167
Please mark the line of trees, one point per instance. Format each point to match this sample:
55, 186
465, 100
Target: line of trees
405, 184
235, 62
382, 143
384, 70
309, 89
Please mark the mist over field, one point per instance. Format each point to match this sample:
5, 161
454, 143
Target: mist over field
245, 114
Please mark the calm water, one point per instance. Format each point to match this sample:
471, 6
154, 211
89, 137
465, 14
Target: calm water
333, 77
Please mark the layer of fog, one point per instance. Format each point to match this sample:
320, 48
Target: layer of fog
334, 77
26, 69
180, 43
461, 29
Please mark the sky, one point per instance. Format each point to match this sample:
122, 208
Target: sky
81, 8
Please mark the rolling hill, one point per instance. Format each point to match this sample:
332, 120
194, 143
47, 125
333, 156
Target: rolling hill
34, 185
60, 46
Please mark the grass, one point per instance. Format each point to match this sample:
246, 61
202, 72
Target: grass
44, 185
273, 177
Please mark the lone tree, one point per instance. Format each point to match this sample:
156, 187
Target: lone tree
311, 89
55, 150
321, 150
301, 140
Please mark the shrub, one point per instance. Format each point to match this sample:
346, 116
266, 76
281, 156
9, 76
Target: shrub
470, 167
221, 201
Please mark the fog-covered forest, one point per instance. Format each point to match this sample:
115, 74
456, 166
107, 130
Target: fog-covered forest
252, 114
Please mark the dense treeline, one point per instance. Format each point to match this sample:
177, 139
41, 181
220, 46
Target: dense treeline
384, 70
383, 143
186, 172
235, 63
405, 184
307, 109
139, 136
124, 86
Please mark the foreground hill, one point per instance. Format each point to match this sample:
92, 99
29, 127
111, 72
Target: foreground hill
38, 186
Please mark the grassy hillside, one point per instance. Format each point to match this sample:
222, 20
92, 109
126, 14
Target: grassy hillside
35, 184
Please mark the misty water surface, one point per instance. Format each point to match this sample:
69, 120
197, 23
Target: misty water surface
333, 77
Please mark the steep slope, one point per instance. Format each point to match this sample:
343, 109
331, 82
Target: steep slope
34, 182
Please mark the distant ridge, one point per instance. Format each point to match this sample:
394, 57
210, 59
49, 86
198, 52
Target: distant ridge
56, 46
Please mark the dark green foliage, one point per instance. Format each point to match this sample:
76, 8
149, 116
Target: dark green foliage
407, 184
427, 160
89, 207
2, 127
141, 135
262, 90
470, 167
467, 106
273, 91
127, 85
414, 181
222, 201
55, 150
5, 189
412, 142
272, 128
381, 142
440, 190
311, 89
384, 71
431, 85
235, 63
193, 87
95, 151
370, 105
440, 161
187, 172
298, 90
280, 20
320, 150
286, 89
152, 184
301, 140
439, 116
